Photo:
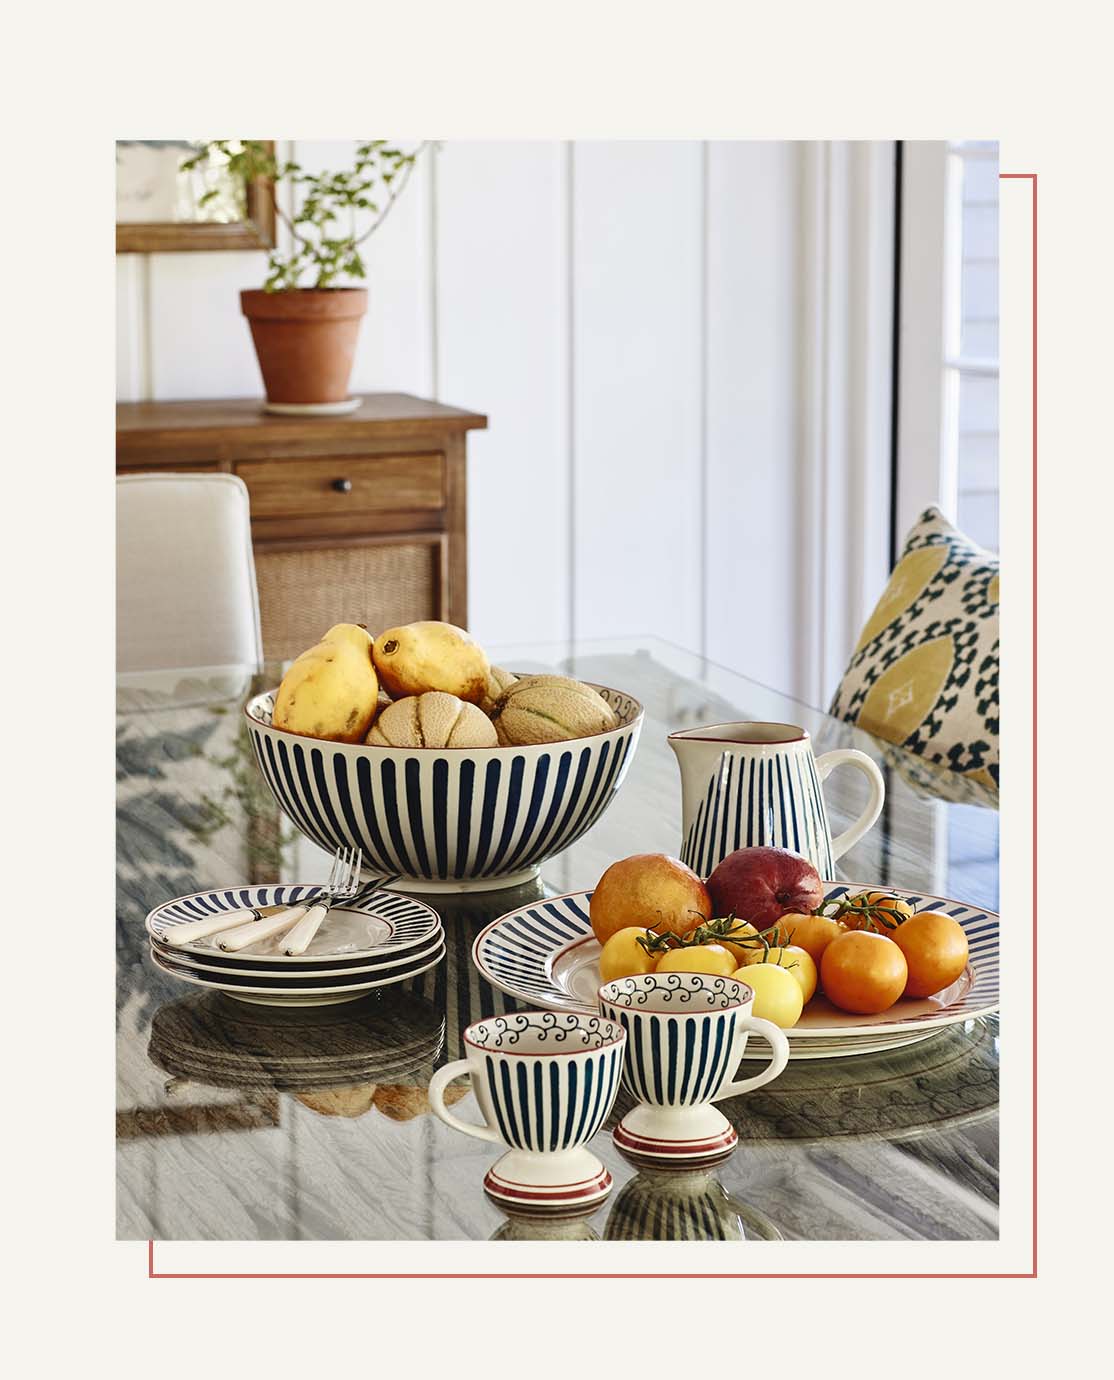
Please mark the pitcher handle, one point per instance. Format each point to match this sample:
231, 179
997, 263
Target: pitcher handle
437, 1085
825, 764
779, 1060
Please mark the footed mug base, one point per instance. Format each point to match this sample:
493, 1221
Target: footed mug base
567, 1183
676, 1138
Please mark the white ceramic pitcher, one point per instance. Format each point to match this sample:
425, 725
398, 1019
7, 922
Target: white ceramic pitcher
750, 784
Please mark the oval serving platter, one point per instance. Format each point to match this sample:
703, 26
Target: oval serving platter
545, 954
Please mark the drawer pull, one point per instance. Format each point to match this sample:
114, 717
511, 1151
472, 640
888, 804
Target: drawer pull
342, 486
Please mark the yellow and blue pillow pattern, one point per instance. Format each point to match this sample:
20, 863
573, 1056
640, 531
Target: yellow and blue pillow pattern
925, 672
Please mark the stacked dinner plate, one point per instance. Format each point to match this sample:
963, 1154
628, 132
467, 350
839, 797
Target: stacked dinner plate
371, 940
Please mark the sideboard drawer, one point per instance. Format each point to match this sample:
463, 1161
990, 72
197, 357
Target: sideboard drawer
346, 484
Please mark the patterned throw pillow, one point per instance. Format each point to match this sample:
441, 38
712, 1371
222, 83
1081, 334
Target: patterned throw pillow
925, 672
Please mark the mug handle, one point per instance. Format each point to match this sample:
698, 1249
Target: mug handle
437, 1084
772, 1069
869, 768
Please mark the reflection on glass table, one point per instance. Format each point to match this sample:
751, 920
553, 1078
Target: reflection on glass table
241, 1123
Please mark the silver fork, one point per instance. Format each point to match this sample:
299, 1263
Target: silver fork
345, 884
232, 941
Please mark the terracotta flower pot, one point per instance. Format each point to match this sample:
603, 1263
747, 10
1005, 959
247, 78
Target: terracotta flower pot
305, 340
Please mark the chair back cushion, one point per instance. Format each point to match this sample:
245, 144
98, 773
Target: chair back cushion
185, 574
925, 672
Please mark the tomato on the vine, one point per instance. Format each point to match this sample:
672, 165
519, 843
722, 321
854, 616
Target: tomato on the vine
777, 994
935, 949
813, 933
863, 972
698, 958
623, 956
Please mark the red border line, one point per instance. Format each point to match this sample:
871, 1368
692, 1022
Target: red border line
152, 1273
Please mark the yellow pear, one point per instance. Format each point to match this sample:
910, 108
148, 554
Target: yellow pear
431, 656
331, 691
353, 635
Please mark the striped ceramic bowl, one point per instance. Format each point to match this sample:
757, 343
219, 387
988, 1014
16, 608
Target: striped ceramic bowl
446, 819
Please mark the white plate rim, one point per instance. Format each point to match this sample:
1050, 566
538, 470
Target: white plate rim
191, 961
438, 955
856, 1032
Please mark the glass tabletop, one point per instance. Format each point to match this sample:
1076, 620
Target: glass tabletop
241, 1122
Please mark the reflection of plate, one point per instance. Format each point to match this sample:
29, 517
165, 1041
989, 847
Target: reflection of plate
948, 1080
206, 1039
545, 954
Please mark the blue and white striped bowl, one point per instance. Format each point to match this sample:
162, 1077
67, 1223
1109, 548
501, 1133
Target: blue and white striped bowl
446, 819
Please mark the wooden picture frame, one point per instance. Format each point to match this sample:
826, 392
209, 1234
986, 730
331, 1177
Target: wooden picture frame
256, 232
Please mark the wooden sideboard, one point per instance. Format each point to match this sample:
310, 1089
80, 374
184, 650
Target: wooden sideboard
357, 519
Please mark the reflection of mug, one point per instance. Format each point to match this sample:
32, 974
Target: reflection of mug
686, 1033
688, 1206
545, 1082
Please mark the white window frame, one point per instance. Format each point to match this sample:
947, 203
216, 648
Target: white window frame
930, 363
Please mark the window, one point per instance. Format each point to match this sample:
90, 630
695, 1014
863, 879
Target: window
948, 360
972, 360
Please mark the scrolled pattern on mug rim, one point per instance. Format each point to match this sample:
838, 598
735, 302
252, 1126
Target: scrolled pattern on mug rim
719, 993
499, 1034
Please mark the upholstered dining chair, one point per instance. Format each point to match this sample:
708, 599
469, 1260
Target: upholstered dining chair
185, 574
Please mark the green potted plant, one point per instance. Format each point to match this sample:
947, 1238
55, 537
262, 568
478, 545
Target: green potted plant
305, 319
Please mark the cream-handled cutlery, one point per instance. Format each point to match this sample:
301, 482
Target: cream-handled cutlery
232, 941
344, 881
214, 924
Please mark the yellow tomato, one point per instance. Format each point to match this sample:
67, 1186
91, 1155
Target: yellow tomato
777, 993
740, 930
793, 959
863, 972
935, 949
813, 933
698, 958
799, 963
623, 956
883, 907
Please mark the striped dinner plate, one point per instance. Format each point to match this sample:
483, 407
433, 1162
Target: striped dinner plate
545, 954
373, 924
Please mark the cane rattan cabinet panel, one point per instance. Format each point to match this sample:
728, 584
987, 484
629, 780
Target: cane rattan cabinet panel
354, 519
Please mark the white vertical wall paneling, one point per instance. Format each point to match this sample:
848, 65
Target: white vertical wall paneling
847, 274
130, 344
871, 254
754, 562
637, 232
924, 333
502, 275
200, 345
393, 353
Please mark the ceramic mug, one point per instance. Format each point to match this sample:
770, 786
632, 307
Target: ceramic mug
686, 1033
546, 1082
748, 785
